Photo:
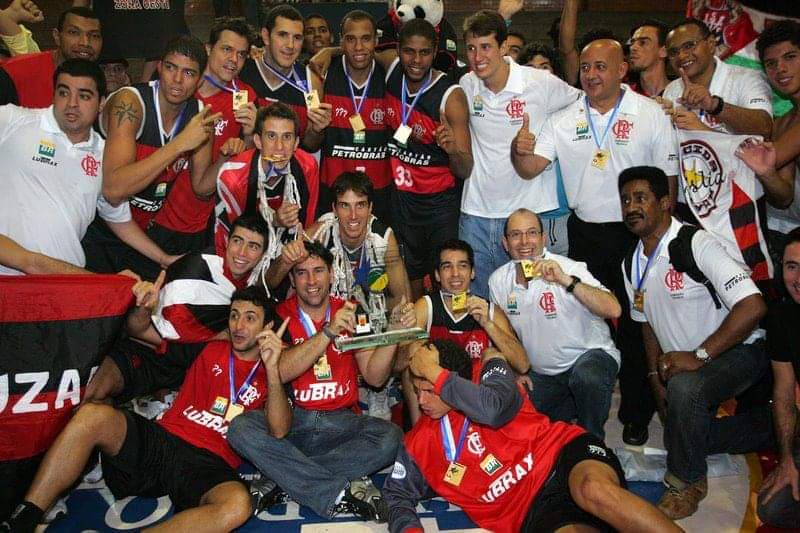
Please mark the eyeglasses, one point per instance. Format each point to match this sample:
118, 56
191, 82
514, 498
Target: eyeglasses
516, 234
688, 46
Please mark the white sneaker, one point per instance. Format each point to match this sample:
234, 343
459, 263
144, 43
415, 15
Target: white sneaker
57, 510
378, 402
151, 408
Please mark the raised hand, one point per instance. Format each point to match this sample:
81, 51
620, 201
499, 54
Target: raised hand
402, 315
761, 157
232, 147
695, 96
525, 141
146, 293
344, 320
444, 135
288, 215
198, 130
270, 344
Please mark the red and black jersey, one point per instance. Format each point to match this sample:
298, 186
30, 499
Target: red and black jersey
340, 152
340, 390
222, 102
32, 75
254, 74
198, 414
446, 58
237, 186
465, 332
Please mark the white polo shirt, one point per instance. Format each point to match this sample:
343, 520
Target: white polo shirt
785, 220
742, 87
680, 310
51, 188
553, 325
640, 135
494, 189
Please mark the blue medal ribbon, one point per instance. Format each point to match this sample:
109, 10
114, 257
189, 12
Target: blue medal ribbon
247, 380
308, 324
405, 109
298, 83
640, 278
218, 85
452, 451
350, 85
610, 120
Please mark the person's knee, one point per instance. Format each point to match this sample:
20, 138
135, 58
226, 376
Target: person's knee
595, 373
683, 390
235, 509
92, 415
780, 511
594, 491
241, 428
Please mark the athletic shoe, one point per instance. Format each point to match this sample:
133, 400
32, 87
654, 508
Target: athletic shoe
635, 434
264, 493
679, 503
378, 402
372, 508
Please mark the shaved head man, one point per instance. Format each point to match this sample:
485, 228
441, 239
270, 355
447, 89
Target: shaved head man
602, 69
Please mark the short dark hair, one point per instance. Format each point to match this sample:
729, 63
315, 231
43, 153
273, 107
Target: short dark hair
418, 28
85, 69
595, 34
697, 23
522, 210
536, 49
281, 10
188, 46
454, 244
783, 30
518, 35
237, 25
253, 223
84, 12
317, 249
276, 110
661, 29
652, 175
357, 15
485, 23
453, 357
357, 181
257, 296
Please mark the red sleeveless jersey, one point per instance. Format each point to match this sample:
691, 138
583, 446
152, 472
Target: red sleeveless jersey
254, 75
222, 102
465, 332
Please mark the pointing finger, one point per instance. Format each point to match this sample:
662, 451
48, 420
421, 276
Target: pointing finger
282, 329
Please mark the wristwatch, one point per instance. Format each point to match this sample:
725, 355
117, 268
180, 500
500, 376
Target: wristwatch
571, 286
702, 354
720, 104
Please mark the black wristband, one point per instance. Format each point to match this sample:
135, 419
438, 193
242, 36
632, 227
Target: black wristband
571, 286
327, 331
720, 104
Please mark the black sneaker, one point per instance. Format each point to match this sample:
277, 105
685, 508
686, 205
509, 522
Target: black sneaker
634, 434
266, 493
373, 509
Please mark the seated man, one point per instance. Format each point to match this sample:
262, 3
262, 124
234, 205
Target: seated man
557, 309
185, 454
191, 308
779, 498
519, 472
329, 446
699, 311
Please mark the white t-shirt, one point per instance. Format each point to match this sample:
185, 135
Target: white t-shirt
553, 325
494, 189
680, 310
742, 87
51, 188
641, 135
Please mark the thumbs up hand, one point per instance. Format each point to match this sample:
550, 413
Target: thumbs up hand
444, 136
525, 141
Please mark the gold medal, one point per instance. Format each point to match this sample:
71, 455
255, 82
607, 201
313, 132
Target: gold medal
455, 473
322, 370
312, 99
402, 134
600, 159
529, 269
233, 411
357, 123
638, 300
239, 100
459, 302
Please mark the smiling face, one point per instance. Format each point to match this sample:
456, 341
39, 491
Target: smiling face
179, 77
226, 58
311, 280
689, 50
782, 66
245, 322
416, 56
76, 104
485, 55
284, 42
80, 38
358, 43
524, 238
454, 272
244, 251
353, 211
602, 68
317, 35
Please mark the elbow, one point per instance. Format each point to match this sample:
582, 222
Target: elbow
113, 196
614, 310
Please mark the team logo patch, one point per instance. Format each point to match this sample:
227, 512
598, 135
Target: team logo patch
703, 176
47, 149
515, 108
340, 112
161, 190
399, 471
490, 464
376, 115
511, 304
547, 302
419, 131
219, 127
220, 405
597, 450
622, 131
90, 165
673, 280
581, 127
474, 348
450, 44
474, 444
477, 104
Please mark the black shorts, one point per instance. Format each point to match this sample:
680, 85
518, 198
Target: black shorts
153, 462
554, 507
144, 371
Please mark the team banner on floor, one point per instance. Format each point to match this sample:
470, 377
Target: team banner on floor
54, 330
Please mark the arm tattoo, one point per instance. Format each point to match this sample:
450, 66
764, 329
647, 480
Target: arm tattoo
124, 111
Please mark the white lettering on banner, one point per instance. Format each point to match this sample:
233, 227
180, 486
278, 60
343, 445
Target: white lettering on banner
321, 391
206, 419
68, 391
508, 479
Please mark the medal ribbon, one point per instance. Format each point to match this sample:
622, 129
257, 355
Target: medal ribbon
452, 450
218, 85
610, 120
406, 109
247, 380
350, 85
178, 121
298, 83
640, 278
308, 324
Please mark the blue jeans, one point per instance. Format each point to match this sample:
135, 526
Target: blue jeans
582, 392
693, 431
485, 235
322, 453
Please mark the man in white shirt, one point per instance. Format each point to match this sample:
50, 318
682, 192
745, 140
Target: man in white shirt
53, 182
557, 309
500, 95
701, 339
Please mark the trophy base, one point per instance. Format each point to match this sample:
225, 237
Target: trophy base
379, 339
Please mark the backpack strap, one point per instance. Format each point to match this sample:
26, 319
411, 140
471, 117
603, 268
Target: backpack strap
682, 259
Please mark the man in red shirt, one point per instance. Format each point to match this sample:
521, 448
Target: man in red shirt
483, 446
185, 455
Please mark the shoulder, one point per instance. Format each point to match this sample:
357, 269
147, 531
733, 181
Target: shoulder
307, 161
498, 276
674, 89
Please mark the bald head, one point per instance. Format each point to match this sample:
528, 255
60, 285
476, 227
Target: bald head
522, 236
602, 69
